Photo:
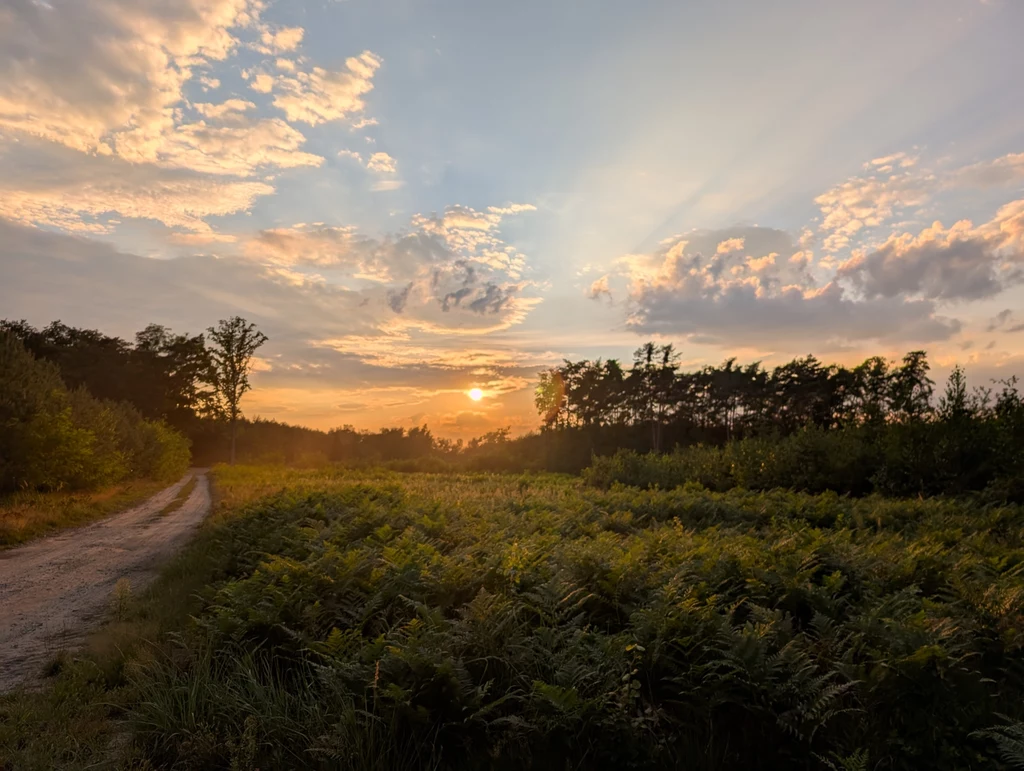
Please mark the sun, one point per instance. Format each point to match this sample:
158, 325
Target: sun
476, 394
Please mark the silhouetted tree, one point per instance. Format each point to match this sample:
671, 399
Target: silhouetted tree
235, 340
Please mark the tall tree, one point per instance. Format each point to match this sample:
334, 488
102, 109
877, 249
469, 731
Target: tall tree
235, 341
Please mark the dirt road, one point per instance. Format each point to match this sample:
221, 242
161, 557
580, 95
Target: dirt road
54, 589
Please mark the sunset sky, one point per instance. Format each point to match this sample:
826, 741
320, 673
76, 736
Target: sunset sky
414, 198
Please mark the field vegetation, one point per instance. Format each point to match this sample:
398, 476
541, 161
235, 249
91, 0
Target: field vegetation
334, 618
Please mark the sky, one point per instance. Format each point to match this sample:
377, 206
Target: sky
415, 198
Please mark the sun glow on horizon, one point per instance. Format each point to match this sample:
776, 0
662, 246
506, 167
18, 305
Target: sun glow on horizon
476, 394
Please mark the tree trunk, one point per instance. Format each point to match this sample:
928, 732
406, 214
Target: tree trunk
234, 423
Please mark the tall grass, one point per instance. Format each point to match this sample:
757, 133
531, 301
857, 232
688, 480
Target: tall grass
26, 515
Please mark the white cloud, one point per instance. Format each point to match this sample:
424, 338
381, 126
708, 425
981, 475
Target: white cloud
515, 208
228, 108
1006, 170
869, 202
730, 245
318, 95
895, 186
79, 193
432, 274
600, 288
382, 163
80, 72
261, 82
761, 294
283, 39
236, 145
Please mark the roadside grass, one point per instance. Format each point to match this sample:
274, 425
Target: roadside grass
28, 515
180, 498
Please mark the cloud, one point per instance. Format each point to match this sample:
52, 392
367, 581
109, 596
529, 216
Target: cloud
201, 239
474, 235
936, 264
48, 276
961, 263
379, 163
382, 260
283, 39
234, 144
1007, 170
999, 320
869, 202
328, 344
730, 245
81, 193
85, 73
600, 288
888, 162
761, 295
403, 350
1005, 321
515, 208
229, 108
318, 95
896, 185
260, 82
108, 78
442, 274
382, 163
397, 299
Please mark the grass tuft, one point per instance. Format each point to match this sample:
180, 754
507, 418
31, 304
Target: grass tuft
28, 515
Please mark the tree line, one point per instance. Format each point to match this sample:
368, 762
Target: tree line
721, 403
194, 384
880, 426
81, 409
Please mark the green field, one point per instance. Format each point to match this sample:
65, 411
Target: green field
373, 620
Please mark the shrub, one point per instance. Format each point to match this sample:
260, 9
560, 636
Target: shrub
52, 438
166, 452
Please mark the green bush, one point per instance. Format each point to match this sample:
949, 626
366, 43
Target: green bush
53, 438
110, 456
923, 458
165, 454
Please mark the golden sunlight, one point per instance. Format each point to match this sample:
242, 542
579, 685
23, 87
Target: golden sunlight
476, 394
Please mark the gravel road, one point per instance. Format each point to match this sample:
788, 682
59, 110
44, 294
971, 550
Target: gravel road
52, 591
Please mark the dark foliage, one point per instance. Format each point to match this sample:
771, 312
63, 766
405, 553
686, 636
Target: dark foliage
53, 438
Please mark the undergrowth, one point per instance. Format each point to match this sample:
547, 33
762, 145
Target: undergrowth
367, 620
